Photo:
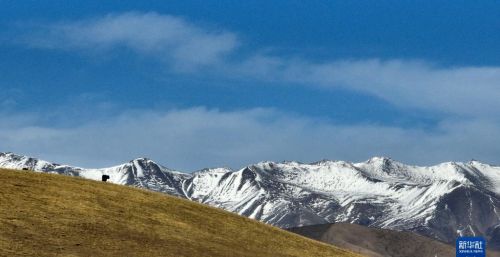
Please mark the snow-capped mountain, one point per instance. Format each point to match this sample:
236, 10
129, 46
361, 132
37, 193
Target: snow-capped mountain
140, 172
441, 201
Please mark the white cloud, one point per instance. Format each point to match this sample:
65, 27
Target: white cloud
467, 91
195, 138
469, 98
170, 38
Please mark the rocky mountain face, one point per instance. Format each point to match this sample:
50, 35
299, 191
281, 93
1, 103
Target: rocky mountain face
442, 201
375, 242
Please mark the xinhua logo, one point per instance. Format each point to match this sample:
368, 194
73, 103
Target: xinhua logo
471, 247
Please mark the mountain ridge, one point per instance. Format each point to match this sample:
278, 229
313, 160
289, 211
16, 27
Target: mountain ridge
441, 201
52, 215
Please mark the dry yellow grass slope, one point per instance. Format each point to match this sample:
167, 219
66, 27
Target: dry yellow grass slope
53, 215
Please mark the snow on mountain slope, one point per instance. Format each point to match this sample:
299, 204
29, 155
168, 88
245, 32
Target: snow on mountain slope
140, 172
487, 173
440, 201
143, 173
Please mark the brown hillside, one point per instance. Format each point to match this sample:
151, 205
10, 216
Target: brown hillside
48, 215
376, 242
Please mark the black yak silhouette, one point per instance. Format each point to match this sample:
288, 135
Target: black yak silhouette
105, 178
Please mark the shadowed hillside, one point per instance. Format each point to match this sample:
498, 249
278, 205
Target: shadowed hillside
376, 242
46, 215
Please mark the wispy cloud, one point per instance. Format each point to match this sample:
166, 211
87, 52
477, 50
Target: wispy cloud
195, 138
469, 91
169, 38
469, 98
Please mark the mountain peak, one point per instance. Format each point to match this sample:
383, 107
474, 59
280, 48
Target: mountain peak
476, 162
323, 162
10, 154
213, 170
380, 159
141, 159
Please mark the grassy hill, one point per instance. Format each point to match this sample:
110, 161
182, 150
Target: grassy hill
47, 215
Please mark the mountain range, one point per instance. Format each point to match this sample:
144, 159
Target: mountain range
442, 201
48, 215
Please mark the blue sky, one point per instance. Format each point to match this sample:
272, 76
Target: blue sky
196, 84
